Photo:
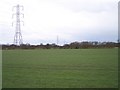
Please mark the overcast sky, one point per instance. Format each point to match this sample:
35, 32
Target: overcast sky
70, 20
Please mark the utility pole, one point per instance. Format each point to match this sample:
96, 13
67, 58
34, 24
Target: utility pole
18, 35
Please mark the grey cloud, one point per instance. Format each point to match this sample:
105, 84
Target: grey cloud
86, 5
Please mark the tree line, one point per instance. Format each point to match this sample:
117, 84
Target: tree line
73, 45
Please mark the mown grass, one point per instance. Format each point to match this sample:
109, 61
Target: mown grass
60, 68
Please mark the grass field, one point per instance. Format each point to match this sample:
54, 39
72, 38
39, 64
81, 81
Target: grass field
60, 68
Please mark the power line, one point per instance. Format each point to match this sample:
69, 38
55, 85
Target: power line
18, 35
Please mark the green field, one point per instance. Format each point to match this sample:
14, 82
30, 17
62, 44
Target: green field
60, 68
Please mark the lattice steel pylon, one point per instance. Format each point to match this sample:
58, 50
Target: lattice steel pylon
18, 35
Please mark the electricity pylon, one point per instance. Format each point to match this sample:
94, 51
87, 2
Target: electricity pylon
18, 35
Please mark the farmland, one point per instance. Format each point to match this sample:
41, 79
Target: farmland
60, 68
